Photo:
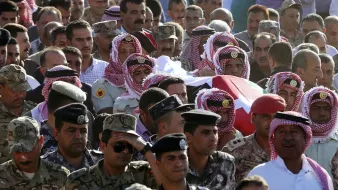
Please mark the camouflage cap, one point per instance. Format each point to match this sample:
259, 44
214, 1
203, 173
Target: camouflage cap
120, 122
267, 25
22, 135
290, 4
15, 77
108, 27
164, 32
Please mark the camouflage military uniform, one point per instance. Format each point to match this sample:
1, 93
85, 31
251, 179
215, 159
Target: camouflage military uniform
50, 144
91, 157
218, 174
248, 154
49, 176
94, 177
189, 187
295, 41
88, 16
334, 171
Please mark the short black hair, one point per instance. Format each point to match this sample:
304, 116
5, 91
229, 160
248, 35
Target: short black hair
12, 41
72, 50
314, 17
44, 54
123, 4
326, 58
77, 24
264, 35
281, 52
151, 96
155, 7
49, 10
14, 29
190, 128
169, 81
61, 99
8, 6
98, 127
65, 4
308, 46
56, 31
273, 13
106, 135
171, 2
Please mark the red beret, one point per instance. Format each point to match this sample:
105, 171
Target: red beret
268, 104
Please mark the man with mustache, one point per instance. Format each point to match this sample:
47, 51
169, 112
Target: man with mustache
207, 167
13, 87
76, 10
13, 52
320, 105
95, 11
289, 136
254, 149
116, 171
79, 35
176, 10
26, 170
165, 39
133, 15
71, 132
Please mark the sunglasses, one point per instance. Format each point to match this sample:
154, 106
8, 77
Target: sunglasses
120, 146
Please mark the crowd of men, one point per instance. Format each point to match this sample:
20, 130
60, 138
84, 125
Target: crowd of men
95, 94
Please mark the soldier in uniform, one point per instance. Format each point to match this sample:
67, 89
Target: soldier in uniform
254, 149
104, 33
26, 170
172, 162
13, 87
136, 68
71, 130
207, 167
115, 171
94, 12
166, 116
165, 38
106, 89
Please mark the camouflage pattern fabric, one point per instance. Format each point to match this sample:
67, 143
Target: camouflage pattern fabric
49, 144
334, 168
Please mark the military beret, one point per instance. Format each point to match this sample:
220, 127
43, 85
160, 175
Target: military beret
5, 36
167, 105
201, 117
60, 73
69, 90
75, 113
268, 104
169, 143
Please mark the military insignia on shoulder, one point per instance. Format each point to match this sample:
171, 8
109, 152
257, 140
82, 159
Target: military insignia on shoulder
99, 93
234, 54
323, 95
233, 144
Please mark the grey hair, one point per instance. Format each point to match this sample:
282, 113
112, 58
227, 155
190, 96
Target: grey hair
308, 46
226, 11
219, 26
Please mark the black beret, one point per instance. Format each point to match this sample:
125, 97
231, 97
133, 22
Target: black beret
201, 117
60, 73
5, 36
167, 105
295, 118
169, 143
75, 113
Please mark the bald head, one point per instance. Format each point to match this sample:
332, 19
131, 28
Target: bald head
331, 25
48, 29
224, 15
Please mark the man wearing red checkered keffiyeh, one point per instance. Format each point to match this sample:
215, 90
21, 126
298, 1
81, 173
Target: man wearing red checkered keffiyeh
192, 51
289, 136
214, 42
232, 60
222, 103
289, 86
136, 68
320, 105
154, 79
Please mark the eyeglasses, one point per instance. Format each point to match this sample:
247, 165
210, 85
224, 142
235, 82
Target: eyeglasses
120, 146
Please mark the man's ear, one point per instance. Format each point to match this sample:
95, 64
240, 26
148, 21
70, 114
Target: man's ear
42, 138
202, 21
300, 71
188, 137
232, 24
56, 134
324, 30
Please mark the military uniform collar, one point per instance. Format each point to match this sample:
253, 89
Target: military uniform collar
25, 109
188, 187
20, 175
207, 169
87, 159
257, 149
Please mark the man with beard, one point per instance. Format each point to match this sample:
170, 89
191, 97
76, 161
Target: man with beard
327, 66
133, 15
95, 11
289, 86
175, 85
26, 170
259, 59
254, 149
223, 104
71, 130
165, 39
79, 35
207, 167
116, 171
289, 168
104, 33
13, 52
320, 105
13, 87
5, 36
176, 10
76, 10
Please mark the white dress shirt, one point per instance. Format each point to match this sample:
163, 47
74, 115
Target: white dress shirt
94, 71
279, 177
334, 8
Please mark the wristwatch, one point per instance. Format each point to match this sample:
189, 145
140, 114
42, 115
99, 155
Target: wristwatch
146, 148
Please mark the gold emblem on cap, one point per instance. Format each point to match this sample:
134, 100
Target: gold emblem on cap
225, 103
293, 83
141, 59
323, 95
234, 54
128, 38
230, 44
